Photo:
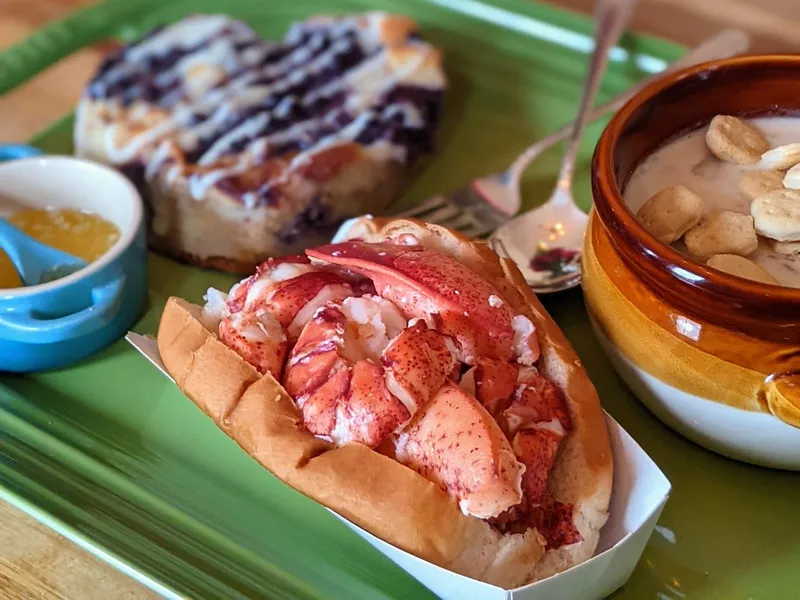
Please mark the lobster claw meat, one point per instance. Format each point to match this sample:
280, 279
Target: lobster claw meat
257, 338
290, 289
263, 314
447, 295
533, 414
536, 449
358, 376
417, 363
315, 357
537, 404
519, 397
454, 442
492, 382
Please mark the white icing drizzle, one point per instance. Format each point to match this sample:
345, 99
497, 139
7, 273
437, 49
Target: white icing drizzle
199, 183
206, 111
248, 127
185, 34
411, 115
172, 174
129, 151
158, 158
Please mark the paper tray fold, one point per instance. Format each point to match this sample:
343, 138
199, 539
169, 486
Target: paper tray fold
639, 493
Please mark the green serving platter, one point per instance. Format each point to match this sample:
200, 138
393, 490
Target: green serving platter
111, 454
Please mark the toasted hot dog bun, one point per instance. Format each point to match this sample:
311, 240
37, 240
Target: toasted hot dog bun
374, 491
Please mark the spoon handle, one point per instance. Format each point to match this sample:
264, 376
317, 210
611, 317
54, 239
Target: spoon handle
610, 18
725, 44
11, 240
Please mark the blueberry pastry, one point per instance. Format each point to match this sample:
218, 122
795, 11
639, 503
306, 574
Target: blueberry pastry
245, 148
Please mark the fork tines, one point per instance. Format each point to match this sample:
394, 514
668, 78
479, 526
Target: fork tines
463, 211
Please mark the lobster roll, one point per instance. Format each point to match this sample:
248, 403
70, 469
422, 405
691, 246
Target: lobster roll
407, 378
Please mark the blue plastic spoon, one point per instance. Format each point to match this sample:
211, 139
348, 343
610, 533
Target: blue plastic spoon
35, 262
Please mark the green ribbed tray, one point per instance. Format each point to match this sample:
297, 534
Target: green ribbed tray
110, 453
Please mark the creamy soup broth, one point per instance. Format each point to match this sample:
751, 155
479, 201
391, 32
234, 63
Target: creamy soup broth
687, 161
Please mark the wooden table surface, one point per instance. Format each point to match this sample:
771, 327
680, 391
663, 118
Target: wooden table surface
36, 563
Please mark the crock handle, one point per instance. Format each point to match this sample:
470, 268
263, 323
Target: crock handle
27, 328
782, 392
12, 151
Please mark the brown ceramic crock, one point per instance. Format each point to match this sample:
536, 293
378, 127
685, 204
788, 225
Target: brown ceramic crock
695, 329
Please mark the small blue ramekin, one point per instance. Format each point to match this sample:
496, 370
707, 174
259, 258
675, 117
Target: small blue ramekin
58, 323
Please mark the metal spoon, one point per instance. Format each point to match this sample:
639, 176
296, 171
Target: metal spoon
552, 234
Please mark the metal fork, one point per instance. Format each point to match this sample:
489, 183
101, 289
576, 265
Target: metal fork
486, 203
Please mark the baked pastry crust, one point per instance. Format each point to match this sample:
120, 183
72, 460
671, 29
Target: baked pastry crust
245, 149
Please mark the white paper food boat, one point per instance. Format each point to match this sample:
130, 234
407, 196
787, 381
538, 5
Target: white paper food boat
639, 493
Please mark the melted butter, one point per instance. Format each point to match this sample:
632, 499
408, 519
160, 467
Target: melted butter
687, 161
82, 234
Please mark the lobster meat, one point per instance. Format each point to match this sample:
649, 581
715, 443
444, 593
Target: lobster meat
290, 289
394, 345
533, 414
454, 442
447, 295
358, 375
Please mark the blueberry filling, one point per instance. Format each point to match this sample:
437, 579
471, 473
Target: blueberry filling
306, 57
316, 220
282, 50
427, 101
135, 80
294, 114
